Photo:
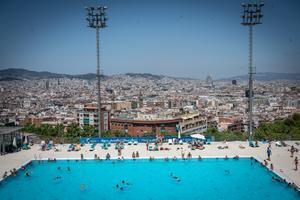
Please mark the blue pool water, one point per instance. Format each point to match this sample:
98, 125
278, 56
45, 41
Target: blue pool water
207, 179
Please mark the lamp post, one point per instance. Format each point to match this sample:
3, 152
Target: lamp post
252, 15
96, 19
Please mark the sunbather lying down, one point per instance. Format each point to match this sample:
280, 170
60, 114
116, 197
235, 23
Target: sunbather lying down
241, 146
197, 147
223, 147
161, 148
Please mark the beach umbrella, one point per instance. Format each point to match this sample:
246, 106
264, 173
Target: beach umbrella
198, 136
15, 142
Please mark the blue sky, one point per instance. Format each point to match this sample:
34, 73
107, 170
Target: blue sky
186, 38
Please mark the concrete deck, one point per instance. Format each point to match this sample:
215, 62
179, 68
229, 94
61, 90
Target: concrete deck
283, 163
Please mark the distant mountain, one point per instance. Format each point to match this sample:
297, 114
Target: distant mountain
145, 75
156, 77
268, 76
23, 74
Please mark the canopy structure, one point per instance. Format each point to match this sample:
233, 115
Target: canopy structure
198, 136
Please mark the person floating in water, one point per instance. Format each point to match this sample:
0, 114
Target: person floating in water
57, 178
125, 183
122, 185
82, 187
277, 179
27, 174
227, 172
69, 169
176, 178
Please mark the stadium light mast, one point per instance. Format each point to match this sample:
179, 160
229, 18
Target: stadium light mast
96, 18
252, 15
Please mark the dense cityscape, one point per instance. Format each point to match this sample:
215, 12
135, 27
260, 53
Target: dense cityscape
153, 105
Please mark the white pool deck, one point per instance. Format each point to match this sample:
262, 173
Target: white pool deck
283, 163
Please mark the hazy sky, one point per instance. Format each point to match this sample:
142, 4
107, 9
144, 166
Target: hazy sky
186, 38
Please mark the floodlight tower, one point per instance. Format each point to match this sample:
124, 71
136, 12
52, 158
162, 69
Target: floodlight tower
96, 19
252, 16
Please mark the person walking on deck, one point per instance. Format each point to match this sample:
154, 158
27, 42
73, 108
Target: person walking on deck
269, 153
296, 163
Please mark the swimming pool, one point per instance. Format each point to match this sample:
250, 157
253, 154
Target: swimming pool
207, 179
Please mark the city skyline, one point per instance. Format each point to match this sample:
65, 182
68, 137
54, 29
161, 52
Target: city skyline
181, 39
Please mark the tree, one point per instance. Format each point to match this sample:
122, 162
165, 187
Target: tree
119, 133
30, 128
108, 133
60, 130
168, 133
288, 128
88, 131
73, 131
45, 129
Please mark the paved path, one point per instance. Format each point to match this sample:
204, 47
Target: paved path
283, 163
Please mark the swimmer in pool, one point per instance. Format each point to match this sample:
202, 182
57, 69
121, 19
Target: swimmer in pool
57, 178
125, 183
82, 187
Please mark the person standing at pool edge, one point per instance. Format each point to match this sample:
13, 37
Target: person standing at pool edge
296, 163
269, 152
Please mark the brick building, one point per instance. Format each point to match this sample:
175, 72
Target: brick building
145, 127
